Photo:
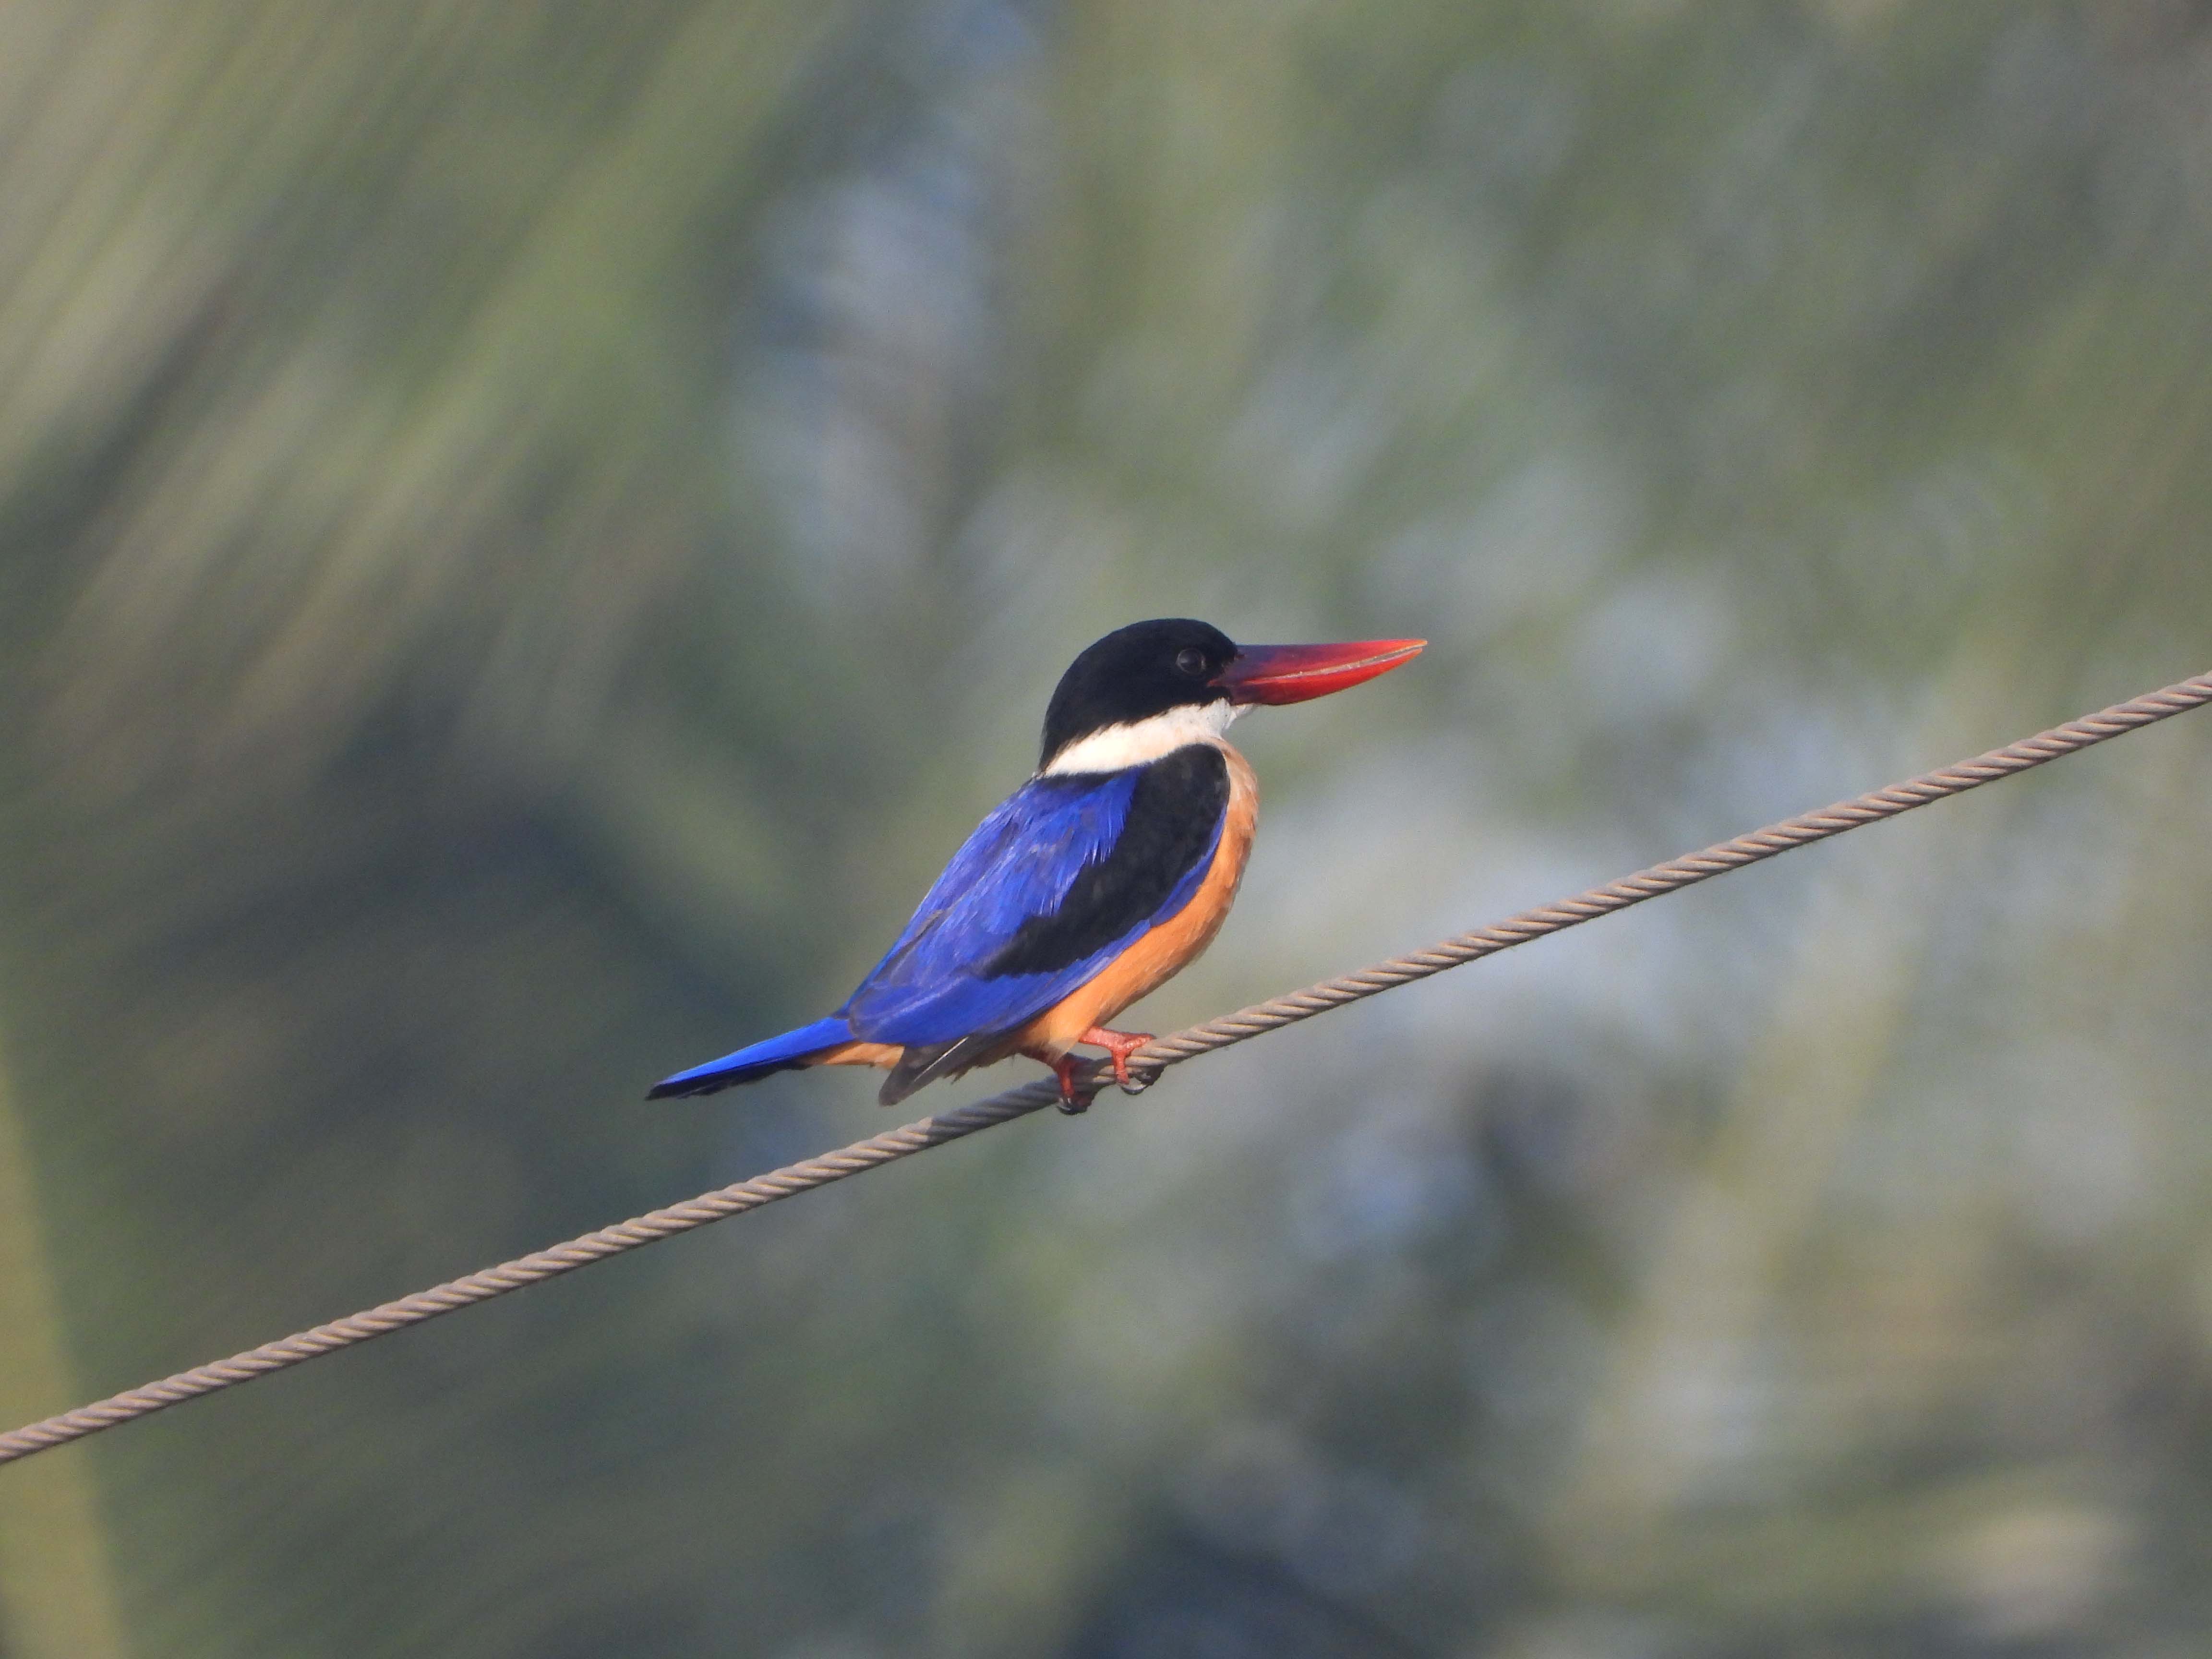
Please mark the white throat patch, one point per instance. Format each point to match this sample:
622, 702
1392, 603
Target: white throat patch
1112, 748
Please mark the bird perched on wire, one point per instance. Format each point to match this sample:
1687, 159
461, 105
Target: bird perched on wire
1089, 886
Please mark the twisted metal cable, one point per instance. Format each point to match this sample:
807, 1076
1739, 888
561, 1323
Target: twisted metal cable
1144, 1066
1676, 874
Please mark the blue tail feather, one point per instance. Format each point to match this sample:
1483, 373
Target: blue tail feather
777, 1054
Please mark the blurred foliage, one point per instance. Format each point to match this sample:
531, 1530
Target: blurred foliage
527, 531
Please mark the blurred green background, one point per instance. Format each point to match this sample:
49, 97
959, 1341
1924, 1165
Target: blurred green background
528, 530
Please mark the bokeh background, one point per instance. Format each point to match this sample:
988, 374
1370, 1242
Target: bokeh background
529, 528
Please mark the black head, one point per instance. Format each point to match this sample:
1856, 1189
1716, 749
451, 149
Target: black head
1134, 673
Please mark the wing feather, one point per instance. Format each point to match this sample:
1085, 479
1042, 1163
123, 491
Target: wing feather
1035, 902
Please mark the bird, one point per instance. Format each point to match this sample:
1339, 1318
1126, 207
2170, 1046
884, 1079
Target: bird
1104, 875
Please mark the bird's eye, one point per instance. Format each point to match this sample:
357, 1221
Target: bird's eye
1191, 660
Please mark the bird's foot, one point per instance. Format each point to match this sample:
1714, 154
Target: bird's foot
1073, 1100
1121, 1045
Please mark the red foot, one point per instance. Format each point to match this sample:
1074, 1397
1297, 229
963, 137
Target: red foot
1121, 1045
1118, 1044
1071, 1099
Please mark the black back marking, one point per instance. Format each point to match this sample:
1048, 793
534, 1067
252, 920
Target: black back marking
1174, 812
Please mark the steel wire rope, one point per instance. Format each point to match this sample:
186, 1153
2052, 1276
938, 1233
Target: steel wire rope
1148, 1062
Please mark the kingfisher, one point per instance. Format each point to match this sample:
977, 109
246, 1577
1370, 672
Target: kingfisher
1090, 885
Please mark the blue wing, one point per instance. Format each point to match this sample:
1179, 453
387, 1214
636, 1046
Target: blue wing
1054, 884
936, 985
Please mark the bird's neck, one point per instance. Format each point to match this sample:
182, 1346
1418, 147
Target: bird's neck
1137, 743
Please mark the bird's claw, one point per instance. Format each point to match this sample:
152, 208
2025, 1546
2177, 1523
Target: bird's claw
1075, 1100
1074, 1097
1120, 1046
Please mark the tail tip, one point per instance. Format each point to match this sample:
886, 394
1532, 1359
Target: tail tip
789, 1052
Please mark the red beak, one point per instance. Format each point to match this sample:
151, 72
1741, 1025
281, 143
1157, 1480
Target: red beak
1293, 673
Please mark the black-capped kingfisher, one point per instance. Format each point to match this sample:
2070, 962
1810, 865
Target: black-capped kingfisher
1089, 886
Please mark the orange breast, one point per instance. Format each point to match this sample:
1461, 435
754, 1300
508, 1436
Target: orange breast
1169, 946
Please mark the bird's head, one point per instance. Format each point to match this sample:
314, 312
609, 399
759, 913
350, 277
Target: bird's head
1149, 689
